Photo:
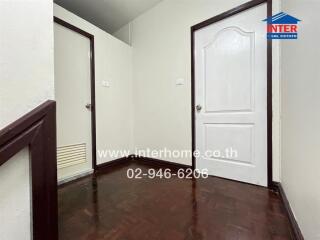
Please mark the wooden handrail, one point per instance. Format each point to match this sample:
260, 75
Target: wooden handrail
37, 131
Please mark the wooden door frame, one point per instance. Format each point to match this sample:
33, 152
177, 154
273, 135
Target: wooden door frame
93, 92
215, 19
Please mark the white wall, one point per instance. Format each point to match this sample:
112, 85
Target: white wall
15, 198
301, 117
26, 70
161, 53
26, 57
113, 63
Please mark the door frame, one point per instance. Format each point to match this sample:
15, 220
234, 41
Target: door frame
92, 83
215, 19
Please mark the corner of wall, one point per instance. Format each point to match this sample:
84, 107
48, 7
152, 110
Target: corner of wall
124, 34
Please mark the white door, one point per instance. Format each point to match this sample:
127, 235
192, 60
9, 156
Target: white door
72, 93
231, 90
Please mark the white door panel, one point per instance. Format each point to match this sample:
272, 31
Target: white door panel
231, 87
229, 90
72, 93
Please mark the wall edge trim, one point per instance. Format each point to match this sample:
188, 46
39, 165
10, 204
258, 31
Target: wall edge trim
277, 186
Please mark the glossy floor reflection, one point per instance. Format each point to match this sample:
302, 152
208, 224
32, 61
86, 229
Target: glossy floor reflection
111, 206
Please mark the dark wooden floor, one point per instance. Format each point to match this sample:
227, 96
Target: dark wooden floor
111, 206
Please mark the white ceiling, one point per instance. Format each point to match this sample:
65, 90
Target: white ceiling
110, 15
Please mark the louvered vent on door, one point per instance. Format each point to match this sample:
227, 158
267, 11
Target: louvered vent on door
71, 155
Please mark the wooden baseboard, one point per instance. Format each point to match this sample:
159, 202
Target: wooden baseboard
113, 163
159, 163
144, 160
294, 225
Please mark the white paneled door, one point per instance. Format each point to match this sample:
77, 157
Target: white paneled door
231, 97
73, 97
